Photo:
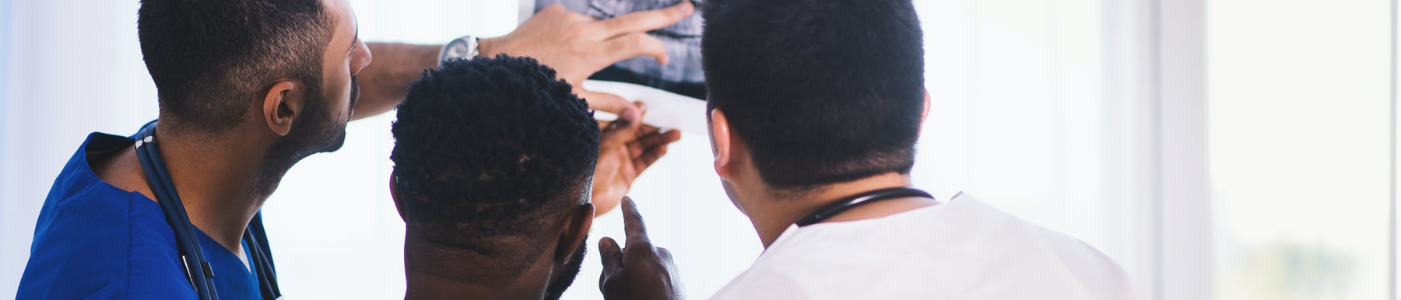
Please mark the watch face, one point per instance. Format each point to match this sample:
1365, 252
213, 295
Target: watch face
457, 49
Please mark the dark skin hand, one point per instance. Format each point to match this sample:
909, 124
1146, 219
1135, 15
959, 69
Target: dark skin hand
626, 148
640, 270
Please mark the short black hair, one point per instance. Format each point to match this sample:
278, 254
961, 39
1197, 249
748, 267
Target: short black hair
821, 91
487, 151
210, 58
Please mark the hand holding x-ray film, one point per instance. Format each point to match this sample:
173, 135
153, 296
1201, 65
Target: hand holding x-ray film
664, 109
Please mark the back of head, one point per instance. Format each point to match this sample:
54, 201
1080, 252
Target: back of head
490, 153
820, 91
210, 59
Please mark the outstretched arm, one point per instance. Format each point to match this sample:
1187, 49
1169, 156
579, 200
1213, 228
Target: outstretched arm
384, 83
575, 45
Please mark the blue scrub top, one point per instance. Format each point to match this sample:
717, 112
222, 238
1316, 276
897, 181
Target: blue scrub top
95, 241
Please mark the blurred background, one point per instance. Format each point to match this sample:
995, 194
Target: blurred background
1217, 149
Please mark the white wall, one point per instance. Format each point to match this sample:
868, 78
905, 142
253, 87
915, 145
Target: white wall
75, 67
5, 28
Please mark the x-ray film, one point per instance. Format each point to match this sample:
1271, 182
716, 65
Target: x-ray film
682, 75
664, 109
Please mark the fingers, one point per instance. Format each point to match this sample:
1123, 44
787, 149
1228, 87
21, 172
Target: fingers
644, 21
624, 129
654, 149
552, 9
632, 223
641, 163
610, 254
606, 102
612, 258
635, 44
559, 12
634, 145
650, 139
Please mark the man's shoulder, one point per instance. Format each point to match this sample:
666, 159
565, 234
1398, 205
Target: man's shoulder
1040, 254
79, 198
77, 178
83, 213
934, 252
97, 245
970, 220
1012, 233
92, 240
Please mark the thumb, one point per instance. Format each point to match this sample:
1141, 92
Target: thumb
611, 256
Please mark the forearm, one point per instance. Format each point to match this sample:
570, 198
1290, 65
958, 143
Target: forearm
384, 83
574, 45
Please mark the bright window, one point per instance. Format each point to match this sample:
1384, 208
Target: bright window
1299, 125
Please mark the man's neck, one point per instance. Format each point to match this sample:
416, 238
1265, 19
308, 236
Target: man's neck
216, 181
436, 271
773, 212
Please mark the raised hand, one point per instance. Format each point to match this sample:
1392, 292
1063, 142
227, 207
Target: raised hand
638, 271
626, 148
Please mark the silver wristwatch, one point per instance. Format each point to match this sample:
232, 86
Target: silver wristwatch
462, 48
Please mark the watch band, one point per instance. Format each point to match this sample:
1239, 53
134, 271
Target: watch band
460, 48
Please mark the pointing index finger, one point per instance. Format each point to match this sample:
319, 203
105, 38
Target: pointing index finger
632, 222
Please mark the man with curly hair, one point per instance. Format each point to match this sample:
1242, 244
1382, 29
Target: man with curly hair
493, 164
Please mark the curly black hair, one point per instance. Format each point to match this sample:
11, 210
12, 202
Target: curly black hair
487, 151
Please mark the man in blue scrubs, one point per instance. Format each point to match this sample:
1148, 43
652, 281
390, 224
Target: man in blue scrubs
247, 88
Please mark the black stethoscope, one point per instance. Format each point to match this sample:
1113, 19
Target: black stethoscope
859, 199
197, 268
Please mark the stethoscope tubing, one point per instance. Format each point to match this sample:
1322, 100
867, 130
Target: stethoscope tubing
856, 200
199, 272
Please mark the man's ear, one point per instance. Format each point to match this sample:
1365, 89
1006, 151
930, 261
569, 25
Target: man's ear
722, 144
281, 106
576, 228
394, 194
924, 115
